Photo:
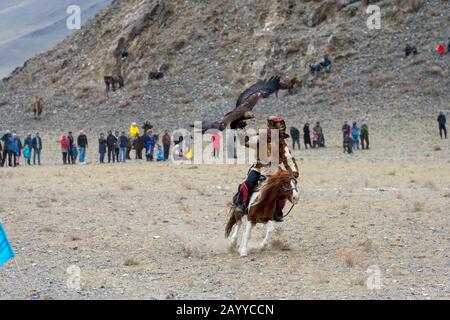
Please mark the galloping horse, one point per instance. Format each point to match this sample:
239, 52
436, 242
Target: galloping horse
37, 109
261, 208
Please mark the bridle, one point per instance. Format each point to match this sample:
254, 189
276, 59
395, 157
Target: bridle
290, 188
286, 190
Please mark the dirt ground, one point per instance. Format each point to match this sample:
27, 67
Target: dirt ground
156, 230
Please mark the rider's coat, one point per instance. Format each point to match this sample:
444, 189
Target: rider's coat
267, 163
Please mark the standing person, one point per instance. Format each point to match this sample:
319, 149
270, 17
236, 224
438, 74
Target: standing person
364, 134
117, 146
82, 142
320, 137
315, 139
4, 151
159, 153
27, 145
345, 130
306, 135
123, 143
74, 153
17, 147
71, 139
355, 135
295, 134
8, 148
345, 134
147, 125
442, 121
216, 144
166, 144
102, 144
64, 148
149, 145
36, 143
111, 142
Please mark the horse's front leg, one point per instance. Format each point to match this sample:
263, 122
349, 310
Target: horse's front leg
245, 238
269, 230
235, 234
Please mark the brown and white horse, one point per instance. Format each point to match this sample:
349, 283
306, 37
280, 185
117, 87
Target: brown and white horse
37, 109
261, 208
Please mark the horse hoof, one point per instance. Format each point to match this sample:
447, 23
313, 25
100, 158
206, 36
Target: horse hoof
244, 253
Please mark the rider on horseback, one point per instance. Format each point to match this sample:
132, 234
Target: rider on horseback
260, 169
134, 130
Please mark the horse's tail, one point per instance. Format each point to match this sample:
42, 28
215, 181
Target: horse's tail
231, 222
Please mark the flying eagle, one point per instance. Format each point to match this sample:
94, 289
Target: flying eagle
244, 105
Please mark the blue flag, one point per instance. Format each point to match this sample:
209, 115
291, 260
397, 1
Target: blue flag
6, 252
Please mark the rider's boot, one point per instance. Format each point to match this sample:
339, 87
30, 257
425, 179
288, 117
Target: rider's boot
241, 199
279, 210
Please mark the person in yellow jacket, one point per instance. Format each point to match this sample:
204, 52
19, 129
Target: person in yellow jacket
134, 130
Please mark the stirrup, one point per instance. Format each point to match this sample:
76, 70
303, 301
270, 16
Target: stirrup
279, 217
240, 209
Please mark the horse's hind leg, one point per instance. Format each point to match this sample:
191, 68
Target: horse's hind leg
270, 227
235, 234
245, 238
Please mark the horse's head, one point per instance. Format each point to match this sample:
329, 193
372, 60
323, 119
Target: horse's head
289, 187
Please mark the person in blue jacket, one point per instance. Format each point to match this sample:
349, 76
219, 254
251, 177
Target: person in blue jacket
149, 141
355, 135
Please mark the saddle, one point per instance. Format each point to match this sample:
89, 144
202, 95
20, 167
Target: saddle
261, 179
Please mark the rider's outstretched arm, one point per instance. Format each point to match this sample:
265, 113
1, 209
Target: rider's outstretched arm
289, 161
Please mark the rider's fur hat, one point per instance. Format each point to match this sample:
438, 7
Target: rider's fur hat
278, 123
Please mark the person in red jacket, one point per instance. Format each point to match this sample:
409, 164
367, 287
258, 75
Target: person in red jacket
65, 146
441, 48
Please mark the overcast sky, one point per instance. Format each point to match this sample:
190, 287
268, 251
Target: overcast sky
28, 27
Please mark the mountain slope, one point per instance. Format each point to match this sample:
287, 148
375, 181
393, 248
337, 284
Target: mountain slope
212, 50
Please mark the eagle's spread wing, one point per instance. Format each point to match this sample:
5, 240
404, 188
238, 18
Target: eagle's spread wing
263, 88
208, 125
248, 99
244, 105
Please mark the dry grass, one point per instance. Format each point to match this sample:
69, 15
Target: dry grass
350, 259
418, 206
380, 81
360, 281
431, 90
187, 252
75, 238
320, 277
126, 187
130, 262
367, 245
430, 185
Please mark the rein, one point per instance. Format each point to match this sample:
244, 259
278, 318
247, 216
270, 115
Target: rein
285, 190
289, 211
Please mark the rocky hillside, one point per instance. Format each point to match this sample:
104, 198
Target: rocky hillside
211, 50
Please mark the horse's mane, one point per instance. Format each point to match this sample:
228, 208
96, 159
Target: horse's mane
274, 182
